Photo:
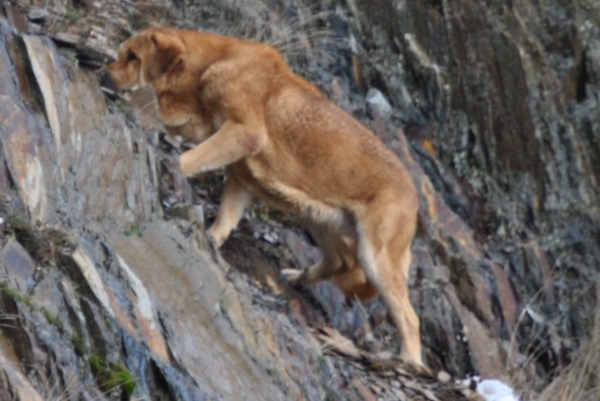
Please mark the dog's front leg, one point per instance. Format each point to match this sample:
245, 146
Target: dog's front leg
234, 201
232, 142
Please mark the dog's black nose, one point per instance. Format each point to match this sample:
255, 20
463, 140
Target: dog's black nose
106, 80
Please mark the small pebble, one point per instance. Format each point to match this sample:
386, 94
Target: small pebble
444, 376
271, 238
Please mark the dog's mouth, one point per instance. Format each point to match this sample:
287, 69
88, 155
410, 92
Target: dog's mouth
108, 85
119, 93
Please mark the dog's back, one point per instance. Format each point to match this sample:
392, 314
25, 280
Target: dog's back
314, 148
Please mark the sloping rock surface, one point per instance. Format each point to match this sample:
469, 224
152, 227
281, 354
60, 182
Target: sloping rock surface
109, 289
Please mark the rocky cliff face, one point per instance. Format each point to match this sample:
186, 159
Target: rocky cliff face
500, 103
109, 290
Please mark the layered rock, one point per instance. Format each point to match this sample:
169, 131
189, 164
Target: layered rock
108, 288
106, 276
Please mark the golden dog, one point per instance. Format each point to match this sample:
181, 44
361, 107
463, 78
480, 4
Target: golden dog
282, 141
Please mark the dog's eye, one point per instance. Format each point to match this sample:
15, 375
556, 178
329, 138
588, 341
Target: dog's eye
131, 57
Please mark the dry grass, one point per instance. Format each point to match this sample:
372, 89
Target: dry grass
303, 35
577, 381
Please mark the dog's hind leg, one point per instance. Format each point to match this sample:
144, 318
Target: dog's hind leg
354, 283
384, 252
335, 249
234, 201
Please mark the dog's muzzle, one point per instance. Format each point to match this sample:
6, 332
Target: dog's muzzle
106, 81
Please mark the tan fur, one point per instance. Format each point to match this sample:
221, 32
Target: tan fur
282, 141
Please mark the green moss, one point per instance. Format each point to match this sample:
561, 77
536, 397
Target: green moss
27, 299
115, 376
49, 316
78, 344
8, 292
72, 16
123, 106
321, 360
97, 364
134, 229
53, 320
120, 376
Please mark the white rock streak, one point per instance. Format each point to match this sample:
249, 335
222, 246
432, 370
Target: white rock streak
32, 186
88, 269
35, 49
144, 305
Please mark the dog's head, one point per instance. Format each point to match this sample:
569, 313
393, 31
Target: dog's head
144, 58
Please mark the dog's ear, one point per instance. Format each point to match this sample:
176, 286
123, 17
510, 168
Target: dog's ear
168, 51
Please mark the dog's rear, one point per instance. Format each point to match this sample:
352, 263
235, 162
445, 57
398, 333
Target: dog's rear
282, 141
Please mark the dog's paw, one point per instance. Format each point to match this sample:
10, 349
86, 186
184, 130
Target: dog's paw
422, 370
170, 164
212, 242
416, 369
293, 276
214, 249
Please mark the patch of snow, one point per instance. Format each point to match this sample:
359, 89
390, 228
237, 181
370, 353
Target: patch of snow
495, 390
